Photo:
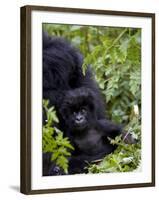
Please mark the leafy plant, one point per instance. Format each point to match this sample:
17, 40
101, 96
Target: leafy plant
53, 140
126, 157
117, 70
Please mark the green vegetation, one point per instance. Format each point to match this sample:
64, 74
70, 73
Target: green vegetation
53, 140
115, 56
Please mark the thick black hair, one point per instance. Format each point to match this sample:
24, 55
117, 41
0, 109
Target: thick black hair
62, 71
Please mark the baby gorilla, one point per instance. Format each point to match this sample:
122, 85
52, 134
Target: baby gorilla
87, 134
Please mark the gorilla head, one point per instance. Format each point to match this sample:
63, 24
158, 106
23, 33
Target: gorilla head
78, 109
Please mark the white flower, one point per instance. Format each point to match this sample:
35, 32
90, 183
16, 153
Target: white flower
127, 160
136, 109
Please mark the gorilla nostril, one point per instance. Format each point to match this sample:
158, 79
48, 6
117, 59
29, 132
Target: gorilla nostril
79, 119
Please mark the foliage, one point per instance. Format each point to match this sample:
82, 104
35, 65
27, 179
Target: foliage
117, 71
126, 157
123, 159
114, 54
53, 140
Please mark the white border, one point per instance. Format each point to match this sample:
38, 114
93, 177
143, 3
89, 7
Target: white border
52, 182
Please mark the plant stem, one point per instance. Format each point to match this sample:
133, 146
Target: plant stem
117, 39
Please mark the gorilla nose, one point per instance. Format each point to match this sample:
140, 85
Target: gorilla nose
79, 119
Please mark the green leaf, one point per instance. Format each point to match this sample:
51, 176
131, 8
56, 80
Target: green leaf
53, 140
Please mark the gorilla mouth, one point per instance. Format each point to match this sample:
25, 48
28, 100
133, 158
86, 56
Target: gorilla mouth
80, 126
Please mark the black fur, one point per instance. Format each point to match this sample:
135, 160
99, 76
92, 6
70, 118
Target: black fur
62, 71
63, 80
90, 135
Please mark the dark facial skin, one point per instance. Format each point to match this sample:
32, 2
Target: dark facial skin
79, 119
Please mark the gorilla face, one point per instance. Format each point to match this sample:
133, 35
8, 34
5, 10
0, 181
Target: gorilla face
78, 109
79, 119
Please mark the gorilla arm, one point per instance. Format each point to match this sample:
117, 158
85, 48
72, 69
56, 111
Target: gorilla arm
109, 129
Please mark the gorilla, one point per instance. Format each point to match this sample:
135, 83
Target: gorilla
62, 71
88, 134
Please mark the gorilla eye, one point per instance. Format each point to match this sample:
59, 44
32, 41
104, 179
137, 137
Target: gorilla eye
83, 110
